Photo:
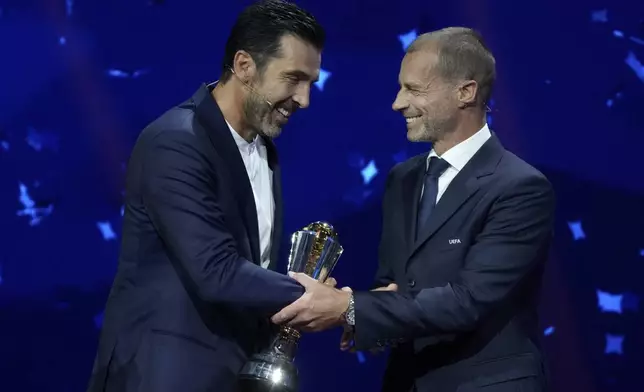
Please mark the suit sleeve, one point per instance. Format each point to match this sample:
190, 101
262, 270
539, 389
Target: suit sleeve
180, 197
514, 241
385, 274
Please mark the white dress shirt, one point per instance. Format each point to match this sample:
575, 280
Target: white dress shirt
458, 156
260, 175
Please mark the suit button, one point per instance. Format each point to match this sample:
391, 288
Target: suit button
411, 283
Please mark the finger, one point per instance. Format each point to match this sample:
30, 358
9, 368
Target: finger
330, 281
390, 287
347, 289
346, 342
299, 323
303, 279
310, 327
287, 314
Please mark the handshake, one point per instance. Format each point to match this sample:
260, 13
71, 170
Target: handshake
321, 307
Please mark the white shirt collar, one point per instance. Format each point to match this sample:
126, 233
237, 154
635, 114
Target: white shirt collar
460, 154
242, 144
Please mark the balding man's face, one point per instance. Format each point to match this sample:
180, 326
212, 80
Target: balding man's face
425, 99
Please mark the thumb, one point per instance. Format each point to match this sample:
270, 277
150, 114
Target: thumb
303, 279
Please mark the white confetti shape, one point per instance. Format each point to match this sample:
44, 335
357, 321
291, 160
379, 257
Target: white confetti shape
369, 172
614, 344
407, 38
609, 303
635, 65
577, 230
324, 76
117, 73
106, 230
637, 40
35, 213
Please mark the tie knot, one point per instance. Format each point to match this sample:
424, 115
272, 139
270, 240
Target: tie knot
436, 167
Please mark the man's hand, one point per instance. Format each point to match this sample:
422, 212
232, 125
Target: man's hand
346, 341
321, 307
330, 281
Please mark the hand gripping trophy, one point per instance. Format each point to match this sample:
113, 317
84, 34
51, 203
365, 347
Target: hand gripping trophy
315, 251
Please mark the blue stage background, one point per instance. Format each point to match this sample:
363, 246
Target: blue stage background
79, 80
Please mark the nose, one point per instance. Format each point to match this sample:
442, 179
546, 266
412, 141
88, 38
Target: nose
399, 103
302, 96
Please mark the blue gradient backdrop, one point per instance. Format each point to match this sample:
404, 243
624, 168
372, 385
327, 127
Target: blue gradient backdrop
79, 79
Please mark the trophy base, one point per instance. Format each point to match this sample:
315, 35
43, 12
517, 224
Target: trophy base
265, 373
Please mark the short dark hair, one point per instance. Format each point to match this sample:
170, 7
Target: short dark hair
462, 55
260, 27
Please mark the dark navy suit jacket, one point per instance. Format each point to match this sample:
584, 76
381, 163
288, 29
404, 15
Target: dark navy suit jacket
189, 302
465, 315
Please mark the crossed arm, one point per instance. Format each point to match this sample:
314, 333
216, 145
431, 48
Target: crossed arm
180, 197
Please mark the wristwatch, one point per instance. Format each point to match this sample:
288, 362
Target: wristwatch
349, 314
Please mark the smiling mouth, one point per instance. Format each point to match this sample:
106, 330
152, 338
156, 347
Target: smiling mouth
411, 120
284, 112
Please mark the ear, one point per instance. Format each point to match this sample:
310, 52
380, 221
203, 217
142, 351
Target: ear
466, 93
244, 65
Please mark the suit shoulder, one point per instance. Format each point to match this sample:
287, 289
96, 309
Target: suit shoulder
177, 119
517, 171
176, 124
174, 131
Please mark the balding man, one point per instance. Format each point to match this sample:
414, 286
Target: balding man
465, 237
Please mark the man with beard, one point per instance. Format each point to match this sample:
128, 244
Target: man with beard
196, 284
465, 236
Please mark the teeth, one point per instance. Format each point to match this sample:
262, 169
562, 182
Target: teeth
283, 112
411, 119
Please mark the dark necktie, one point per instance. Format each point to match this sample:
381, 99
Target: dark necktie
436, 167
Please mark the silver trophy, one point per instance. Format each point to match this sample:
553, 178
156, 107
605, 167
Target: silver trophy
315, 250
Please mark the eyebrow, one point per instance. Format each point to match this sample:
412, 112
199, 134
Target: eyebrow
412, 86
300, 75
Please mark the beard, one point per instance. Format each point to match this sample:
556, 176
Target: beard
259, 116
434, 130
431, 129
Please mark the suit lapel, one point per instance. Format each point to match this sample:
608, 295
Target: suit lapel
412, 182
462, 188
218, 132
276, 237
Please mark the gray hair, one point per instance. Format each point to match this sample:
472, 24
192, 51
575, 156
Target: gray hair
462, 55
